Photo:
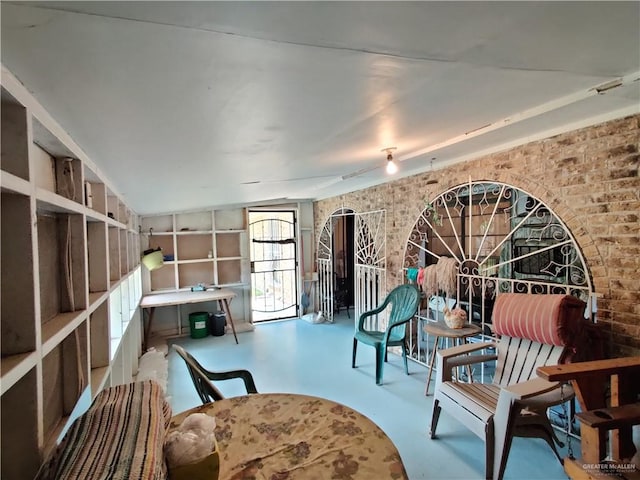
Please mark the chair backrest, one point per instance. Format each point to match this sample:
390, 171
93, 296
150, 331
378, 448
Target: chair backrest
404, 300
535, 330
207, 391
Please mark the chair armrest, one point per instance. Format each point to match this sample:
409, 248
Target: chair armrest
370, 313
397, 324
245, 375
451, 352
450, 358
530, 388
465, 360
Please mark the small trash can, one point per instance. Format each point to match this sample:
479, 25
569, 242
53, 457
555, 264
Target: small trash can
217, 321
198, 324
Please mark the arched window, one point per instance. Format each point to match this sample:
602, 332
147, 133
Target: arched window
496, 238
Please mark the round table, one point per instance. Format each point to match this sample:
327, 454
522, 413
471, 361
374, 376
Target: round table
290, 436
440, 330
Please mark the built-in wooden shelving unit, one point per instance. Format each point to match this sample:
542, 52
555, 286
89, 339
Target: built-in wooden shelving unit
207, 246
71, 282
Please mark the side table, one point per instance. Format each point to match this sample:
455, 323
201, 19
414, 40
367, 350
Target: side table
439, 330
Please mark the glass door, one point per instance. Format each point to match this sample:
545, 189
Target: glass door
274, 265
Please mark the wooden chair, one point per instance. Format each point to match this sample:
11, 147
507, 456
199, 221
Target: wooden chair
404, 301
534, 330
202, 377
599, 416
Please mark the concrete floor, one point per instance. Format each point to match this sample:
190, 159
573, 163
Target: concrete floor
296, 356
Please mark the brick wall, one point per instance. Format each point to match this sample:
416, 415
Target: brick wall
589, 177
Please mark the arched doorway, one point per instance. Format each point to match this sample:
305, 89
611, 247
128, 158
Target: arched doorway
496, 238
352, 258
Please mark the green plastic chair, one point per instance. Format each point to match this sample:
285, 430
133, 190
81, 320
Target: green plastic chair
404, 302
202, 377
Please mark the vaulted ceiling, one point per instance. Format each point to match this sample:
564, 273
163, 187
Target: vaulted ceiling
185, 105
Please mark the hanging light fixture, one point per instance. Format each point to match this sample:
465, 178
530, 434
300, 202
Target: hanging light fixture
433, 179
391, 165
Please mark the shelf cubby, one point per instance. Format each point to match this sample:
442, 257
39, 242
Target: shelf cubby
190, 274
228, 244
165, 242
17, 317
68, 179
124, 259
56, 168
137, 254
61, 240
59, 327
14, 137
14, 367
194, 221
231, 219
164, 278
132, 254
95, 192
229, 272
52, 393
112, 205
19, 414
124, 215
114, 254
64, 376
97, 248
157, 224
99, 336
194, 246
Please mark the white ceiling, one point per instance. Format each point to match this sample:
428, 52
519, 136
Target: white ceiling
185, 105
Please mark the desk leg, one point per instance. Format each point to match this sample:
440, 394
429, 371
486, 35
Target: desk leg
147, 329
436, 341
224, 305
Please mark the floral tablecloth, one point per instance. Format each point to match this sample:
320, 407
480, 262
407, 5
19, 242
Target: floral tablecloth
278, 436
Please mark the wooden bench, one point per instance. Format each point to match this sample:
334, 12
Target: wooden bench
600, 417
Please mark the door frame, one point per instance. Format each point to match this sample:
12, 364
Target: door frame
293, 308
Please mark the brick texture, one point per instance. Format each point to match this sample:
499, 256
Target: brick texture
589, 177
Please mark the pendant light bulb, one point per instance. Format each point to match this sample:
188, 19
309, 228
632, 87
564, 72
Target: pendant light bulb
391, 165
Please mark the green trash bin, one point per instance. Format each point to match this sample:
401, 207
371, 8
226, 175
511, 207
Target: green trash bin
198, 324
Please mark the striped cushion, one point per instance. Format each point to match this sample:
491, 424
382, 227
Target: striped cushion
120, 436
549, 319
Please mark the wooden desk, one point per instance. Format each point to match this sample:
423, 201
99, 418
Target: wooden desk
281, 435
440, 330
150, 302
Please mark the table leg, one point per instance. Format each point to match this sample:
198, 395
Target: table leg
224, 305
457, 342
147, 329
468, 367
436, 340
